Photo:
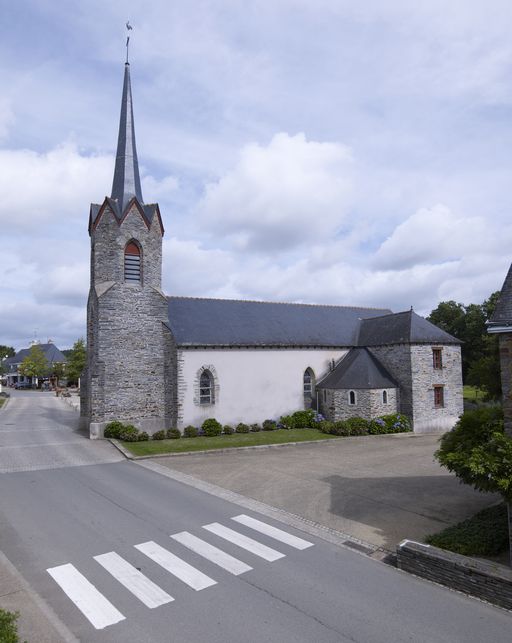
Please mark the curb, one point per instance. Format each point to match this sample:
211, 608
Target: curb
173, 454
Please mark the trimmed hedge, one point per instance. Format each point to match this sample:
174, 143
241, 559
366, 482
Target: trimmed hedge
484, 534
190, 432
160, 435
228, 430
173, 434
269, 425
242, 428
393, 423
211, 427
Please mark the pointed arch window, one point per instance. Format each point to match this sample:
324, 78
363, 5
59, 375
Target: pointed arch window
352, 398
384, 397
309, 382
132, 263
206, 388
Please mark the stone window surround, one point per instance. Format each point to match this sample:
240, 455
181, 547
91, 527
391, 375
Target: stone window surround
437, 358
308, 380
136, 243
215, 385
438, 396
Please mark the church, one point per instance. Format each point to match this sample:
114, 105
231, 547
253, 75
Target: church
158, 362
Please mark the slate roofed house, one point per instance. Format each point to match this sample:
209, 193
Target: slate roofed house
159, 361
11, 364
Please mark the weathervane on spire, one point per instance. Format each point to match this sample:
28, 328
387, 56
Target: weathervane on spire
129, 28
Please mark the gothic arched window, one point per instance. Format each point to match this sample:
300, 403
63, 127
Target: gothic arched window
352, 398
384, 397
132, 263
309, 382
206, 388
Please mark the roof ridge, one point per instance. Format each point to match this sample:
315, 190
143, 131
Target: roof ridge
282, 303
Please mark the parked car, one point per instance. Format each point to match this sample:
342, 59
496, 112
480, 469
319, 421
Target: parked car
23, 385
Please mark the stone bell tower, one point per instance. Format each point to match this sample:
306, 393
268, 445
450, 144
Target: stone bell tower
127, 320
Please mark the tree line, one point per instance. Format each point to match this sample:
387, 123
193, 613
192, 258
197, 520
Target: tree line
480, 352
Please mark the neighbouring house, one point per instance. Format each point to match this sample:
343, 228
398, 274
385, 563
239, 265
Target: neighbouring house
12, 364
159, 361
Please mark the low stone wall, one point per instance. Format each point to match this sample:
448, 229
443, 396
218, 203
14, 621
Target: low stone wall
486, 580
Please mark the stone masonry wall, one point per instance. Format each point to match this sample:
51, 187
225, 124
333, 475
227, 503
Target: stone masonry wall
505, 343
426, 417
128, 377
486, 580
396, 359
368, 404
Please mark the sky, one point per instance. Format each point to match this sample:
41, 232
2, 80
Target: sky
331, 152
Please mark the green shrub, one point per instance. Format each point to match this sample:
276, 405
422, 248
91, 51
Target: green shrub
190, 432
211, 427
269, 425
173, 434
113, 429
478, 451
159, 435
143, 436
287, 422
8, 627
341, 428
255, 428
303, 419
129, 433
392, 423
228, 430
485, 534
326, 427
242, 428
357, 426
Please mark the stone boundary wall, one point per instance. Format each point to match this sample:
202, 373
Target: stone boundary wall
484, 579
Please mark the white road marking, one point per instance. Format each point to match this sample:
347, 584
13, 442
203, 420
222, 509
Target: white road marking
243, 541
177, 567
93, 605
273, 532
134, 580
211, 553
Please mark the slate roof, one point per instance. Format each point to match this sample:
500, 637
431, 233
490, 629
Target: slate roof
359, 369
402, 328
225, 322
51, 352
126, 184
502, 315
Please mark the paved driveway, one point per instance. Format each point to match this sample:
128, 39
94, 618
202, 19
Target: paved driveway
380, 489
39, 431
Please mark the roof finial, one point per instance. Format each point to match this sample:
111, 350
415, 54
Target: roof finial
128, 28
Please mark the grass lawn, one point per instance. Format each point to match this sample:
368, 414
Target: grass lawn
473, 394
281, 436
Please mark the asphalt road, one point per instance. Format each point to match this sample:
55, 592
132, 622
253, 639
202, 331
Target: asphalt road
58, 524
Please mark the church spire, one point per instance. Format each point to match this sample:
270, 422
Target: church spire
126, 182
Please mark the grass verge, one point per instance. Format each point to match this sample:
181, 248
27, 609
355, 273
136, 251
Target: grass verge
281, 436
484, 534
8, 627
473, 394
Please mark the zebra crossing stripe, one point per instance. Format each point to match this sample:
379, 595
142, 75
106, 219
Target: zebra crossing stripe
211, 553
134, 580
177, 567
93, 605
244, 541
273, 532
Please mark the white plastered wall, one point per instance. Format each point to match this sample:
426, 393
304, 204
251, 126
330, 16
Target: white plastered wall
252, 385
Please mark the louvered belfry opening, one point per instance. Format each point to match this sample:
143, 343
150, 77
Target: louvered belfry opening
132, 263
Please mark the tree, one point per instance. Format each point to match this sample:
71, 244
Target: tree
479, 452
58, 371
5, 351
35, 363
76, 360
480, 355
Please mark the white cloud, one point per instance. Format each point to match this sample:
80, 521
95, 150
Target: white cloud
290, 193
433, 235
56, 186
